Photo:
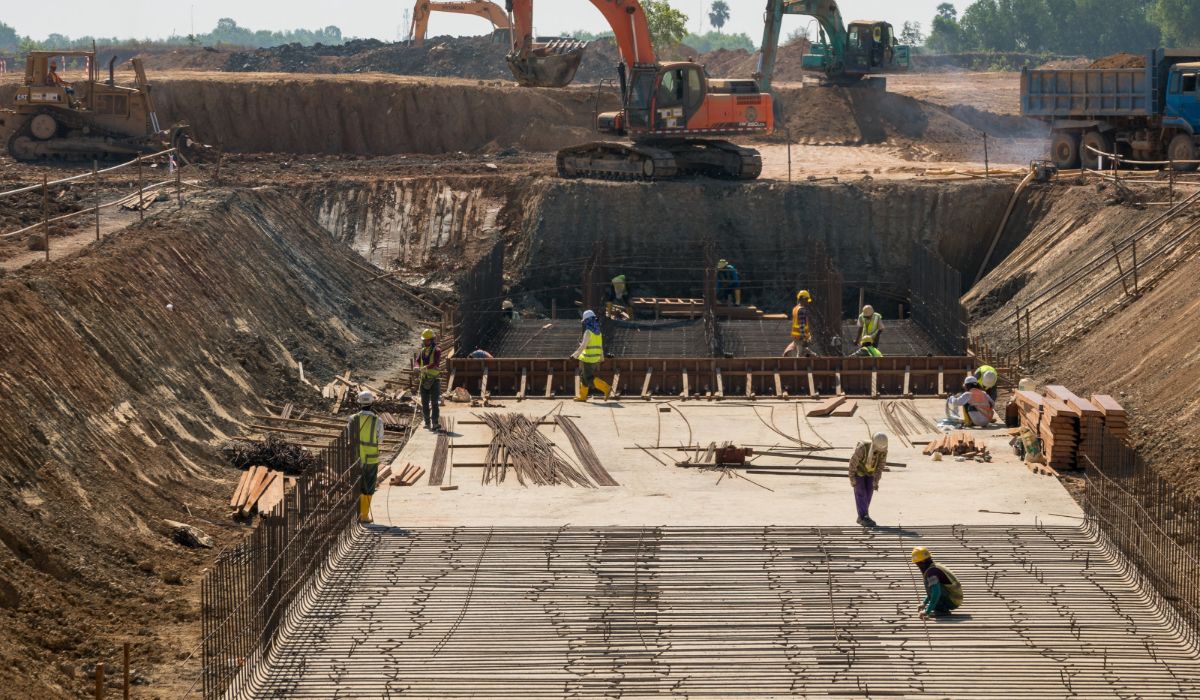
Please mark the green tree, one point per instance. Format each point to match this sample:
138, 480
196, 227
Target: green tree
945, 33
668, 26
9, 41
718, 14
911, 34
1179, 21
711, 41
985, 27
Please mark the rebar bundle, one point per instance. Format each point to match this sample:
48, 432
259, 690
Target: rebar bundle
517, 445
587, 456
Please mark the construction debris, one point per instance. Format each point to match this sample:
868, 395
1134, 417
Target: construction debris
959, 444
409, 476
272, 452
259, 490
188, 535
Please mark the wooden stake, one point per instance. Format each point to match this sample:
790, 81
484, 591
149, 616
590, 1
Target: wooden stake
178, 185
125, 682
100, 681
46, 217
141, 191
96, 182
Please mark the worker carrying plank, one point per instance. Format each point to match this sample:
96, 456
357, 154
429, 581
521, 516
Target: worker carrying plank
590, 354
870, 324
429, 360
866, 469
973, 406
943, 592
366, 437
801, 328
988, 378
729, 283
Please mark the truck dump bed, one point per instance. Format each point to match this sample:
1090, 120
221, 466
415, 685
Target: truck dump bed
1103, 92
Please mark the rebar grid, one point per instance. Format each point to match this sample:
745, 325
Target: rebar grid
738, 612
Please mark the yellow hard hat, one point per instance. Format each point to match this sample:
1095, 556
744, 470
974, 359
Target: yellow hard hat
803, 294
722, 264
427, 334
921, 554
867, 340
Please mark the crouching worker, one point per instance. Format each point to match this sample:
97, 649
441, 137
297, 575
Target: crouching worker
943, 592
973, 406
366, 435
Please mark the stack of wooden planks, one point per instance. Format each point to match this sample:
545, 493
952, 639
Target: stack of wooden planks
1059, 431
958, 443
408, 476
1116, 421
259, 490
1029, 409
1091, 421
826, 407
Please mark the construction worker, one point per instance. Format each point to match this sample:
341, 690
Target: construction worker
866, 348
620, 291
943, 592
973, 406
366, 435
428, 360
729, 283
988, 377
480, 354
590, 354
866, 469
801, 330
870, 323
508, 311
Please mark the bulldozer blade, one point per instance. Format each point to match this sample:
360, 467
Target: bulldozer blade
551, 65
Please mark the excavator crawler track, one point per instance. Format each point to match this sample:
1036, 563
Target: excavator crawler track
659, 160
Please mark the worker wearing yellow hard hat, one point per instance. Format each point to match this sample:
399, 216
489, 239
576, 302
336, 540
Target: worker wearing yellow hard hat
866, 348
943, 592
428, 362
801, 328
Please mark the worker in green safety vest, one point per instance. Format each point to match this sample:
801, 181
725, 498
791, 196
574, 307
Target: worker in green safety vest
366, 436
590, 354
988, 378
866, 348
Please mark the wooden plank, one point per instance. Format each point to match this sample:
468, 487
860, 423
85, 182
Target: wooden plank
549, 383
749, 384
907, 373
941, 381
272, 496
242, 485
524, 376
257, 493
1108, 405
256, 478
846, 410
837, 375
720, 384
287, 411
453, 376
826, 407
646, 383
616, 384
483, 392
686, 392
812, 387
874, 383
779, 386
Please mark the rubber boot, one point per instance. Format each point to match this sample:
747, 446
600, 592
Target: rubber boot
603, 386
583, 393
737, 297
364, 509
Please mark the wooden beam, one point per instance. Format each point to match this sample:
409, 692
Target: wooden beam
685, 393
907, 372
812, 387
549, 383
779, 387
826, 407
524, 376
837, 375
616, 384
941, 381
646, 383
483, 392
720, 384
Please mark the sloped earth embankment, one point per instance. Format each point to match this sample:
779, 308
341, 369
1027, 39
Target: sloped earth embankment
1141, 350
115, 406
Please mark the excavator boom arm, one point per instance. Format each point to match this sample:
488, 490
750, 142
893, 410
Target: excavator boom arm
828, 16
626, 18
480, 8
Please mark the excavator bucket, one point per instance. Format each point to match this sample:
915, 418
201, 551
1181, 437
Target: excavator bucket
552, 64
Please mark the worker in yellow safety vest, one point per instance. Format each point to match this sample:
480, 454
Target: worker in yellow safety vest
366, 435
866, 348
988, 378
943, 592
428, 362
590, 354
870, 323
801, 329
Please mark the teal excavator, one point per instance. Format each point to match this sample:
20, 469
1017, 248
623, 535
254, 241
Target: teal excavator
844, 55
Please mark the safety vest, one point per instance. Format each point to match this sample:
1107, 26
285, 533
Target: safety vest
799, 322
872, 351
593, 349
365, 428
869, 326
981, 402
429, 370
953, 588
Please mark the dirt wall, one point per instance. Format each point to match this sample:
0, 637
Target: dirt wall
115, 406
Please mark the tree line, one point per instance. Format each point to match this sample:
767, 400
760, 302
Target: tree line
1067, 27
226, 33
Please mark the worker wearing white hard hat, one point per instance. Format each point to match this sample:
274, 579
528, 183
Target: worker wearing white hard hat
866, 469
870, 324
366, 436
428, 361
988, 378
590, 354
973, 406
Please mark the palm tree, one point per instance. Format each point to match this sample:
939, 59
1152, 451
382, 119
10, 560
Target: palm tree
718, 14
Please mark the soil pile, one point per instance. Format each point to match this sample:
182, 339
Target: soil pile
480, 58
116, 406
739, 63
1120, 60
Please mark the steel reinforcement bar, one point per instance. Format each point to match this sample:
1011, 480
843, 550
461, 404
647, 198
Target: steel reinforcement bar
715, 378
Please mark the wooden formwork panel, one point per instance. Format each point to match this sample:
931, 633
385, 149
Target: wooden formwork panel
717, 377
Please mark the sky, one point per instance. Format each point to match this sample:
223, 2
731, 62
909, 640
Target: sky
380, 20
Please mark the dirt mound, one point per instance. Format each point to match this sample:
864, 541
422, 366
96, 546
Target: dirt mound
480, 58
739, 63
115, 407
1120, 60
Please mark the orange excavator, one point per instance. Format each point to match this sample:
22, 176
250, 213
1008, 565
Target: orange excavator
673, 113
480, 8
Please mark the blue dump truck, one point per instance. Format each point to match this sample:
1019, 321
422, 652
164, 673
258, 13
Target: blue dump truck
1150, 113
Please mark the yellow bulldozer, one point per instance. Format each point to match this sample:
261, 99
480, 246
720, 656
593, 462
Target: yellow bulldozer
53, 118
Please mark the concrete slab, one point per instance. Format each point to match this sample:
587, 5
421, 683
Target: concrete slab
653, 491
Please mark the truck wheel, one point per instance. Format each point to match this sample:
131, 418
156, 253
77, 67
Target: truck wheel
1098, 141
1064, 150
1183, 147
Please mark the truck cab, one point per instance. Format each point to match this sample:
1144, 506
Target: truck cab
1183, 97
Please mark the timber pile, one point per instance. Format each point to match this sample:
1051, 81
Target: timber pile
1059, 430
1091, 420
259, 490
1116, 421
959, 443
408, 476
